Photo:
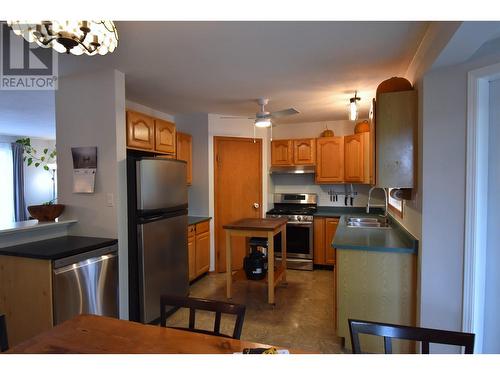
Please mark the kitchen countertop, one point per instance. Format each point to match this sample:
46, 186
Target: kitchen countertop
29, 225
57, 248
329, 211
192, 220
395, 239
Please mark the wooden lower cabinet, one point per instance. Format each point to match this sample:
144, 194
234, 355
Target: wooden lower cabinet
25, 296
192, 254
202, 253
198, 249
330, 229
324, 231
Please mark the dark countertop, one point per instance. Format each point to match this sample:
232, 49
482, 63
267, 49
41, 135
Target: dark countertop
395, 239
57, 248
192, 220
328, 211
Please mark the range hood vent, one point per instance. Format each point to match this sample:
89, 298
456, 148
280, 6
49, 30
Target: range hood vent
293, 169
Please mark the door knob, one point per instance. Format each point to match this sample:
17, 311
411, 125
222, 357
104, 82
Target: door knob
256, 205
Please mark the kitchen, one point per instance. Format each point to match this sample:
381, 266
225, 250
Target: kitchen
315, 173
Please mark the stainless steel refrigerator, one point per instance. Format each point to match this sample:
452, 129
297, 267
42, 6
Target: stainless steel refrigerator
158, 255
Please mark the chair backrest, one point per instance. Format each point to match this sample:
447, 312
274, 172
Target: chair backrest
4, 343
207, 305
425, 335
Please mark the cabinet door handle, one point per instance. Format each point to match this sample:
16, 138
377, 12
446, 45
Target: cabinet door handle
256, 205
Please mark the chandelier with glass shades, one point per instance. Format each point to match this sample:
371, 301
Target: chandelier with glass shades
76, 37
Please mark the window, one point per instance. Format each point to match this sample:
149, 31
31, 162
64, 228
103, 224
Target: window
395, 205
7, 185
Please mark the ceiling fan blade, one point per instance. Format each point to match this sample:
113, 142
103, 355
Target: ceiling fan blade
285, 112
237, 117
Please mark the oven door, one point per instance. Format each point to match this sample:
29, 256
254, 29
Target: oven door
299, 240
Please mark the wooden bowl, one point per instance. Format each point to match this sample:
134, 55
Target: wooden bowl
46, 212
362, 127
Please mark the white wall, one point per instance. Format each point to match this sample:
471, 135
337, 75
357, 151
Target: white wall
86, 119
37, 181
443, 189
134, 106
491, 342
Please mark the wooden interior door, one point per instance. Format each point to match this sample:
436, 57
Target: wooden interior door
353, 160
237, 190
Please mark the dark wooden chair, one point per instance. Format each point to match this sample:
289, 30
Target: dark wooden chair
194, 304
4, 343
425, 335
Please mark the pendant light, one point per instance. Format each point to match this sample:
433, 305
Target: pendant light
353, 107
75, 37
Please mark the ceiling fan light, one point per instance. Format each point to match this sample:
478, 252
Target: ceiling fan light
263, 123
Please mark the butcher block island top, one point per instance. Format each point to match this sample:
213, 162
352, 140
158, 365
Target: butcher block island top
90, 334
257, 224
266, 228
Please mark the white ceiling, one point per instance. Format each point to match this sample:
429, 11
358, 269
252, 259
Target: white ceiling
221, 67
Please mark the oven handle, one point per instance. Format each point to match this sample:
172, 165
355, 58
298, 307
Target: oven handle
299, 223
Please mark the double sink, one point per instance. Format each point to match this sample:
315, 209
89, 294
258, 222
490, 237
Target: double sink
368, 222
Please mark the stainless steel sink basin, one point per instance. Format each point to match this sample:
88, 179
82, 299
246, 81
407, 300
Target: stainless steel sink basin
368, 222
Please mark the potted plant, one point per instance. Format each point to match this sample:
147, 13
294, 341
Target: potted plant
50, 210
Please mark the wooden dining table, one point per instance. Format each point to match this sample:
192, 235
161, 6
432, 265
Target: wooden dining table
91, 334
264, 228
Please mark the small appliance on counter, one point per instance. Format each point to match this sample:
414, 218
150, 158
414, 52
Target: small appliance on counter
255, 264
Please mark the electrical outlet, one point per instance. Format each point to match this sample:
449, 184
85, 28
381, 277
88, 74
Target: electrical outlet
110, 201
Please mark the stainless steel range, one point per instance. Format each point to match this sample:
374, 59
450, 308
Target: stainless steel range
298, 208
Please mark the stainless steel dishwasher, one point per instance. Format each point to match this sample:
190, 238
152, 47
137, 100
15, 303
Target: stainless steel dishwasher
86, 283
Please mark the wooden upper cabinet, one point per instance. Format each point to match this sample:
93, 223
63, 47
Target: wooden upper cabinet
353, 158
165, 140
329, 160
304, 151
184, 152
282, 152
140, 131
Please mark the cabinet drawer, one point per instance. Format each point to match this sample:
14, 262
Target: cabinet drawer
191, 230
202, 227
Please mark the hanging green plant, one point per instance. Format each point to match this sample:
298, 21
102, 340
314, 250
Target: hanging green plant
36, 158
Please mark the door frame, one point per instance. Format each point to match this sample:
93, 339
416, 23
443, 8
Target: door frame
216, 140
475, 240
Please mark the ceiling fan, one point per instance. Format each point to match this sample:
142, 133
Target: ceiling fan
263, 118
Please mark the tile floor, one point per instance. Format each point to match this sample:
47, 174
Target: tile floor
302, 317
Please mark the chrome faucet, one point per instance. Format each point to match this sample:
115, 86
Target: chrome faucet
369, 198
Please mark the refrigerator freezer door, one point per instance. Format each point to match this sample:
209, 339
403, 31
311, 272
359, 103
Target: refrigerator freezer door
163, 263
161, 184
87, 287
